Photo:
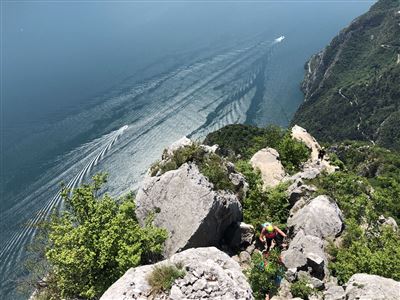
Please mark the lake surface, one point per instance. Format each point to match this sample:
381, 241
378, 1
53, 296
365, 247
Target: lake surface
100, 86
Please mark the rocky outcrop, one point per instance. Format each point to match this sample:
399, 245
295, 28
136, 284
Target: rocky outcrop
388, 222
321, 218
305, 252
334, 292
365, 286
311, 224
209, 274
302, 135
183, 201
313, 166
267, 162
299, 191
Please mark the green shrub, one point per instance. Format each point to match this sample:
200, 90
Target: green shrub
264, 276
213, 167
302, 288
367, 187
246, 140
95, 240
293, 153
373, 251
180, 156
162, 277
262, 205
210, 165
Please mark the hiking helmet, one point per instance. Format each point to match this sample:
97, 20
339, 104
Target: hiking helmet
268, 227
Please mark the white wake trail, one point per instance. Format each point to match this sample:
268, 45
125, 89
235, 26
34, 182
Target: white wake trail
10, 251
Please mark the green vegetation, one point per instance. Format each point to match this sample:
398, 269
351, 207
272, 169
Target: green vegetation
302, 289
191, 153
368, 186
354, 91
372, 250
94, 241
210, 165
243, 141
264, 276
261, 205
163, 277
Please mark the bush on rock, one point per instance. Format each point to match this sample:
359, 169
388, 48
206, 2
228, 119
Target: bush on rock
95, 240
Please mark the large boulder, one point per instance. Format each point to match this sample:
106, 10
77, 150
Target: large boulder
183, 201
314, 166
302, 135
306, 252
267, 162
209, 274
365, 286
321, 218
334, 292
298, 190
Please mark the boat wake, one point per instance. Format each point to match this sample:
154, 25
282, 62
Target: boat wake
191, 100
13, 249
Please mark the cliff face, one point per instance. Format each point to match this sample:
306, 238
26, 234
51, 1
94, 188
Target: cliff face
352, 87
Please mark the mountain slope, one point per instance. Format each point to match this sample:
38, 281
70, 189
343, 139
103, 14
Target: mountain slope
352, 87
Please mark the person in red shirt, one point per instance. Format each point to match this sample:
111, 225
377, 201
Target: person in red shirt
271, 233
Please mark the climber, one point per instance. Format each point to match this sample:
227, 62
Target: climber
321, 154
270, 232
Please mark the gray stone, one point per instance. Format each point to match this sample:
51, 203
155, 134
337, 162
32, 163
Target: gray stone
250, 249
365, 286
306, 252
298, 190
317, 265
210, 149
388, 222
176, 293
220, 276
334, 292
321, 218
296, 207
185, 203
291, 274
239, 182
245, 257
267, 162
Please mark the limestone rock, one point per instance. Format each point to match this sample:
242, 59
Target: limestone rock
388, 222
267, 161
299, 190
210, 149
183, 201
302, 135
334, 292
210, 274
306, 252
365, 286
313, 164
321, 218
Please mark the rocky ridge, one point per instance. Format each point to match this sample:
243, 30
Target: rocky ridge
196, 215
209, 274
